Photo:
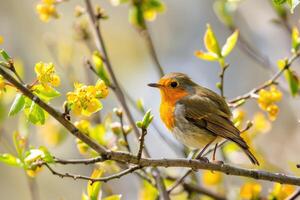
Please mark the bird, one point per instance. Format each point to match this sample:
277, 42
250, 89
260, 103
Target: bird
197, 116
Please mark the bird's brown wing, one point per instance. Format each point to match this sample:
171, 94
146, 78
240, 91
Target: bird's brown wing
204, 113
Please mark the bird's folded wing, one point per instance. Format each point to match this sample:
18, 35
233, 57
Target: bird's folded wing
204, 114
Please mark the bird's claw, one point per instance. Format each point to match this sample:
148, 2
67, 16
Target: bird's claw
203, 159
218, 162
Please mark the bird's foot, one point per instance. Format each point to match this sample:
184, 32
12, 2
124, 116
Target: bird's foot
203, 159
218, 162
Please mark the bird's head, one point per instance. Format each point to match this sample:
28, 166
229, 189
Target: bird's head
174, 86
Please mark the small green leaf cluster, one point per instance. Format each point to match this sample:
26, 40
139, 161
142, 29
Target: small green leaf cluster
147, 119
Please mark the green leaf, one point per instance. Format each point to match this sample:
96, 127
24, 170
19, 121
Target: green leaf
290, 77
293, 81
208, 56
35, 114
17, 105
5, 55
113, 197
46, 94
147, 119
10, 160
47, 157
211, 42
230, 43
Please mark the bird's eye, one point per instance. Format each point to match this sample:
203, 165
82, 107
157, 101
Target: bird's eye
174, 84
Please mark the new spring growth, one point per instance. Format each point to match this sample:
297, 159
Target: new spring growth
213, 51
144, 124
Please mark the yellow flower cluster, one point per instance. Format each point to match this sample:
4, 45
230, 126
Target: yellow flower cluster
46, 10
2, 85
281, 191
84, 99
46, 75
250, 191
1, 39
267, 99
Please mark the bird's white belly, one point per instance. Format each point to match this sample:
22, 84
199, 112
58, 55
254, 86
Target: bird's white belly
193, 139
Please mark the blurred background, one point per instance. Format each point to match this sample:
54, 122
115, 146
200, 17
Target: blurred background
176, 34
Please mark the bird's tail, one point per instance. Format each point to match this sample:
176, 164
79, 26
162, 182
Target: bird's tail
251, 156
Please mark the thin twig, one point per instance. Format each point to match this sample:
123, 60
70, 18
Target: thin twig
146, 35
124, 133
102, 47
102, 179
118, 91
252, 93
221, 75
142, 141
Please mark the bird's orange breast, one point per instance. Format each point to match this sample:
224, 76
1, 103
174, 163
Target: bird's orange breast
167, 106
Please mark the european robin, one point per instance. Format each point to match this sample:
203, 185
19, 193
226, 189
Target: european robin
195, 115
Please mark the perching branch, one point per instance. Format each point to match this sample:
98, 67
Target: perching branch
102, 179
253, 93
187, 173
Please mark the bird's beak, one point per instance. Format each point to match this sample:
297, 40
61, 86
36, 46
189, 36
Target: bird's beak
154, 85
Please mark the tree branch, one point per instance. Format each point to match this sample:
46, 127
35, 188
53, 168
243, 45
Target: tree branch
102, 179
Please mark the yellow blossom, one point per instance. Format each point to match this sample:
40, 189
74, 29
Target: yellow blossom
46, 75
1, 39
267, 99
281, 191
211, 178
84, 99
250, 191
46, 10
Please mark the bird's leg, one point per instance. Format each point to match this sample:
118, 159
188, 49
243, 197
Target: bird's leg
214, 156
214, 153
199, 156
